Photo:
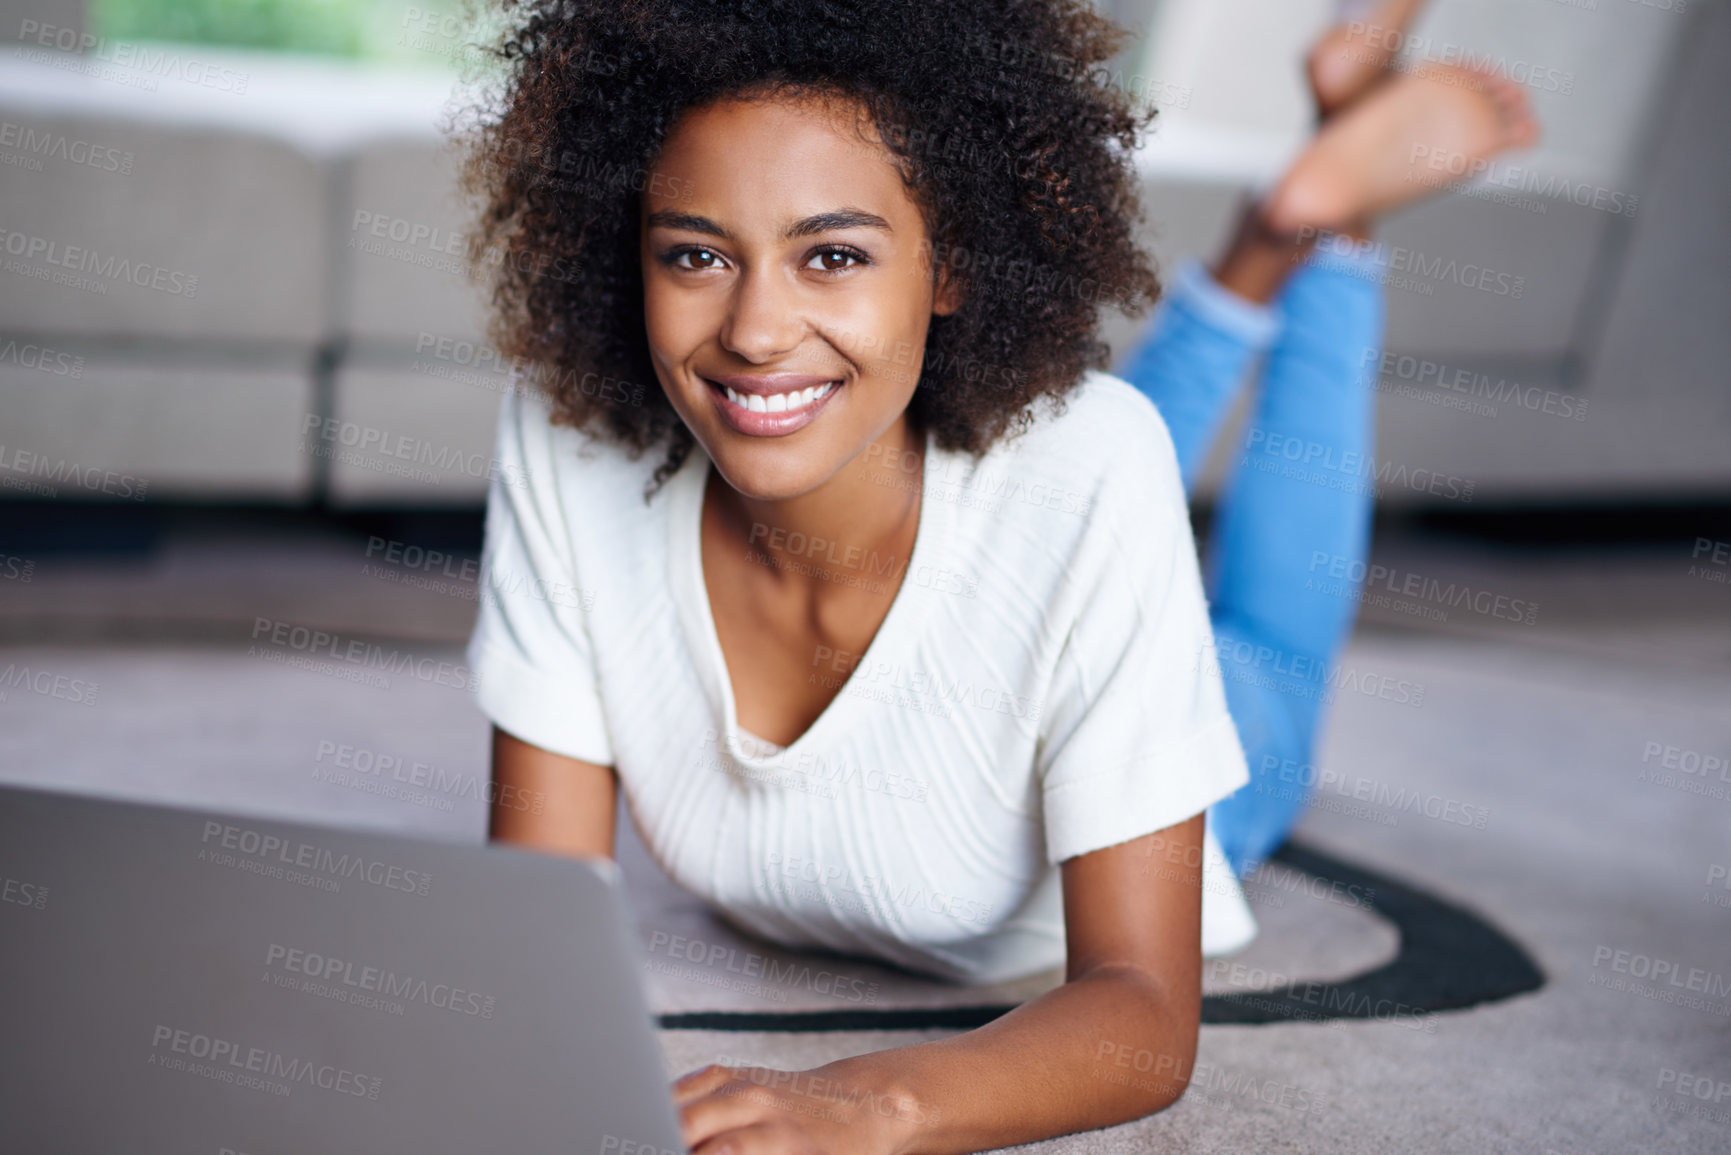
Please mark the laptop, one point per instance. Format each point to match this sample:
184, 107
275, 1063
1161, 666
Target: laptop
195, 983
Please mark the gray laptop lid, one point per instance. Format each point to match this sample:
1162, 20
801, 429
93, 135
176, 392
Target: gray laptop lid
196, 983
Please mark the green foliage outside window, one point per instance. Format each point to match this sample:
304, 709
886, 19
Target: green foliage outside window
428, 33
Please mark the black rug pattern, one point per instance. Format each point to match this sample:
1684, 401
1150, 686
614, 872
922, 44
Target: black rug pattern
1449, 959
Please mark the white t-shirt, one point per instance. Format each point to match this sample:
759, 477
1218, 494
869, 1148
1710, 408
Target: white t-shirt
1039, 689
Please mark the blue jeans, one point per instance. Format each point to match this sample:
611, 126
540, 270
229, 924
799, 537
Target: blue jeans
1293, 524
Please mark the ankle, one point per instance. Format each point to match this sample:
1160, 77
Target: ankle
1261, 258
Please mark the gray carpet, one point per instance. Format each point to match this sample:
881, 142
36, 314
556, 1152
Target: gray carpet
1544, 727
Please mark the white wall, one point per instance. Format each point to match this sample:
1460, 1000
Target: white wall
1240, 59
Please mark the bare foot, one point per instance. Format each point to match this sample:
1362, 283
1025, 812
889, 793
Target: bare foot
1415, 134
1353, 54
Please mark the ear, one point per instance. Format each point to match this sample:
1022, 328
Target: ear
949, 295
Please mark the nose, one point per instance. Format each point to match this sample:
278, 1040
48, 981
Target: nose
763, 318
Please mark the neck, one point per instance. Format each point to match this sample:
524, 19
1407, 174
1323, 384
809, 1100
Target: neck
860, 524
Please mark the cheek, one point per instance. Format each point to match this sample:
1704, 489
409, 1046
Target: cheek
905, 329
672, 326
882, 332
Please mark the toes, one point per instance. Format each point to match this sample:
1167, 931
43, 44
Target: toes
1336, 70
1323, 72
1514, 110
1526, 133
1511, 96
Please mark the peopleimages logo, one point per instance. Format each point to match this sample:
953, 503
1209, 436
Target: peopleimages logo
1395, 371
614, 1145
1360, 581
323, 968
20, 893
145, 275
48, 684
751, 965
1666, 980
1378, 262
359, 767
268, 850
1425, 47
308, 643
47, 475
1349, 470
1401, 799
34, 145
1695, 1086
42, 359
1197, 1080
366, 446
1691, 771
85, 49
228, 1061
1302, 675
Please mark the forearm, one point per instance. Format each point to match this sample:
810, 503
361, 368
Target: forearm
1105, 1048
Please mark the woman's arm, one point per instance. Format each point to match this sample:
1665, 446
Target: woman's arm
1114, 1043
548, 802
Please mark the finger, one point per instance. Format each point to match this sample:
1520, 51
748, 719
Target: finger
754, 1139
725, 1109
699, 1083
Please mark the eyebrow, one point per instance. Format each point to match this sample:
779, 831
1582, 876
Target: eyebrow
847, 218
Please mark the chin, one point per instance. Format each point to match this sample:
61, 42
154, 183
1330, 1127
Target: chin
774, 472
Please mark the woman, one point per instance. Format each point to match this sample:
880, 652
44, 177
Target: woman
911, 594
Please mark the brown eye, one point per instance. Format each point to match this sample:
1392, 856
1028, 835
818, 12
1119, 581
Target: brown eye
700, 258
835, 260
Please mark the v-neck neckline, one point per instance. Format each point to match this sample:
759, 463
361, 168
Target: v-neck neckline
691, 600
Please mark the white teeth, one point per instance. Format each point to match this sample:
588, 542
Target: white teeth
777, 402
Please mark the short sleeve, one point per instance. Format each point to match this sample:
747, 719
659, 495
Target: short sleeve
1135, 733
531, 648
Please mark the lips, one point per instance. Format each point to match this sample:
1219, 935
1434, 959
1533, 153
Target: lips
771, 405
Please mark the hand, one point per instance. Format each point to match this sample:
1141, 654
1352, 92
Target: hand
762, 1111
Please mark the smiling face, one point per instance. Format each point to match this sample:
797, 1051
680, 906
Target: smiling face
787, 289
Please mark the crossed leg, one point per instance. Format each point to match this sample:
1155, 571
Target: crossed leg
1298, 505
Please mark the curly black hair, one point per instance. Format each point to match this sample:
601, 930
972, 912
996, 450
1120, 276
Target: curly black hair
1003, 116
